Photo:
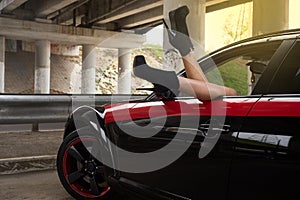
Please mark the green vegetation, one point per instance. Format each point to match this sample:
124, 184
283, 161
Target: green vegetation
233, 75
156, 50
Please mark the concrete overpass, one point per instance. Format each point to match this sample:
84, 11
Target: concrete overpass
106, 23
113, 15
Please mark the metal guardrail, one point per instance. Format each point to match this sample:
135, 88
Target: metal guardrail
34, 109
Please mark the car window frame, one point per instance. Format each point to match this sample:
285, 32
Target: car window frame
260, 88
276, 74
273, 65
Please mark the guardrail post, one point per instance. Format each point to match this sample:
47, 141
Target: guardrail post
35, 127
2, 63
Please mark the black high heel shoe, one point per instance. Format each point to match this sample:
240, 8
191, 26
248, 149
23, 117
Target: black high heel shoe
166, 83
179, 34
178, 19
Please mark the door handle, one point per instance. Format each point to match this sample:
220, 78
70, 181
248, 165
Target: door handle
185, 131
225, 129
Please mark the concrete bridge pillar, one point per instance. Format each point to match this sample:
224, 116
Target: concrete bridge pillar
270, 16
42, 67
2, 63
88, 84
124, 71
195, 21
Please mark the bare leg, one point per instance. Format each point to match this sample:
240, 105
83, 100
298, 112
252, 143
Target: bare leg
202, 90
197, 85
192, 68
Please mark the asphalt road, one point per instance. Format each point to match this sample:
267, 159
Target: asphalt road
32, 186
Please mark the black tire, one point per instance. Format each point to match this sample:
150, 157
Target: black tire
79, 172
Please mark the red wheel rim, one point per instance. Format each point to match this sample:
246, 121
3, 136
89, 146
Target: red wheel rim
86, 173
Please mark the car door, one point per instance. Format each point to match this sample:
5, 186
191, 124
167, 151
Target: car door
266, 162
203, 169
206, 128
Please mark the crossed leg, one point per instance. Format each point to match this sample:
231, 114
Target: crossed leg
196, 83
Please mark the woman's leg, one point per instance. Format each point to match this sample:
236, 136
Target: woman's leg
203, 90
196, 86
196, 83
192, 68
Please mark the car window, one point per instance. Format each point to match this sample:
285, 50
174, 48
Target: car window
287, 79
242, 67
232, 74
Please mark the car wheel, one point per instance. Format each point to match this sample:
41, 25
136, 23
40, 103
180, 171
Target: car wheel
80, 173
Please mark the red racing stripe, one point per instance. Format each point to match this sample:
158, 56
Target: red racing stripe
133, 111
277, 107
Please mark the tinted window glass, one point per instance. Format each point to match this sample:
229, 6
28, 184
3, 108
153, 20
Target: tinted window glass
234, 74
242, 67
287, 79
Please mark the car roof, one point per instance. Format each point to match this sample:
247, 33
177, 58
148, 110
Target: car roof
281, 35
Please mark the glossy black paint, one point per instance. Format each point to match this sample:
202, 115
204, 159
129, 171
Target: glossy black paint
257, 156
266, 161
237, 165
187, 170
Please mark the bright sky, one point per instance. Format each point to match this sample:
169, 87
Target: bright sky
215, 35
215, 22
155, 36
294, 14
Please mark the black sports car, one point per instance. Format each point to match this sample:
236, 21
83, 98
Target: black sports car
237, 147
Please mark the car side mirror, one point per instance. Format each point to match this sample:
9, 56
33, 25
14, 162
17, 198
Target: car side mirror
257, 67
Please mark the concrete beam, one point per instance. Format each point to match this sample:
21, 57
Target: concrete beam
214, 2
152, 15
10, 5
31, 31
71, 21
67, 17
224, 4
46, 7
138, 7
98, 10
